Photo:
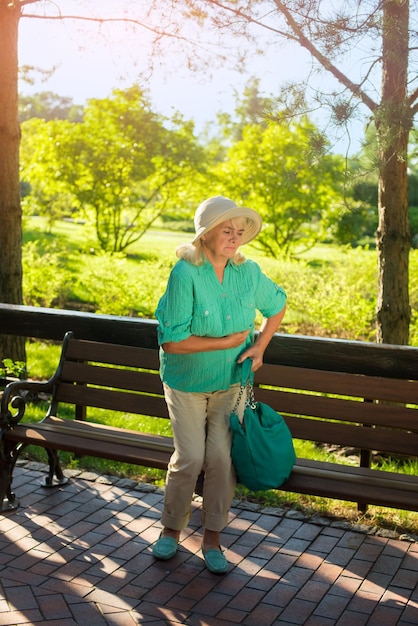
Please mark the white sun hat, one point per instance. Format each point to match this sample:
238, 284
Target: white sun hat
218, 209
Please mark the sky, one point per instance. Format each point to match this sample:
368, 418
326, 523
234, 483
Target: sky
90, 61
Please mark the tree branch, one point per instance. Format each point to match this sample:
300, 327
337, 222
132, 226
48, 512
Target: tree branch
103, 20
411, 100
323, 60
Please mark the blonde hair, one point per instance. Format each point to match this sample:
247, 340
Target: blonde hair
193, 252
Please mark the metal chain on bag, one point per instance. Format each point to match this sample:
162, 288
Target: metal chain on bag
250, 398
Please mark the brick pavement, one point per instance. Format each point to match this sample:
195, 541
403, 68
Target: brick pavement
80, 555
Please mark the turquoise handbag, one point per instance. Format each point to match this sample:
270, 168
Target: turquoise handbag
262, 449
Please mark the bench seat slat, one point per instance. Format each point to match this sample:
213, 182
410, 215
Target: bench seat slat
96, 440
353, 484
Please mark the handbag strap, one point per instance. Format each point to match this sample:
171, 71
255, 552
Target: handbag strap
247, 378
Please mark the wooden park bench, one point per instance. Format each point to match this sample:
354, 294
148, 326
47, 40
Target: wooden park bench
368, 412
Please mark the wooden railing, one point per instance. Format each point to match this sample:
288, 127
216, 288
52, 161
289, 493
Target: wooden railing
297, 350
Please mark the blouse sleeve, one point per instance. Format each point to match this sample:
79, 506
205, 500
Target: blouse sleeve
175, 308
270, 298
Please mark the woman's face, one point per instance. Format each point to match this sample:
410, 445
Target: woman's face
223, 241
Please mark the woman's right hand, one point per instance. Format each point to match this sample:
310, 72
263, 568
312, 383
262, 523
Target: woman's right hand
236, 339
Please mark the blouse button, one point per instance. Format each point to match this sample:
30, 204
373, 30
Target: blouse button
224, 295
206, 312
228, 317
167, 324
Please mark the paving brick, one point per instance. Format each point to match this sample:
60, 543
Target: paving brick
54, 607
22, 597
331, 606
323, 544
351, 540
387, 564
313, 591
234, 616
327, 572
385, 616
19, 617
341, 556
281, 594
350, 618
297, 612
263, 615
405, 579
211, 604
295, 546
310, 561
410, 562
247, 599
88, 614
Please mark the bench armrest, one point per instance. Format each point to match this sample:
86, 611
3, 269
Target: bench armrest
14, 399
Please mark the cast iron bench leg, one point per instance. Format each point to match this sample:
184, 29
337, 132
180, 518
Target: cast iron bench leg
8, 501
54, 470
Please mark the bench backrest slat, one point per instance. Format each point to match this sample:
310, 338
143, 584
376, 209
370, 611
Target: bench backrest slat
341, 409
377, 439
372, 387
122, 401
129, 356
133, 380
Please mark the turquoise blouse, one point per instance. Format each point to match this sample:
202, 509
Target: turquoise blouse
196, 303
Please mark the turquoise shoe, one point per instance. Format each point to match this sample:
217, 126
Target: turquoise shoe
215, 561
165, 548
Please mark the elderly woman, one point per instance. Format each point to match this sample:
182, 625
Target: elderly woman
206, 330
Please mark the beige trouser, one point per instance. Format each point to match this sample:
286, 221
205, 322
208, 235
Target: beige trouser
202, 440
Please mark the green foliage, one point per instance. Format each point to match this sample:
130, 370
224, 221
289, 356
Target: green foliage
121, 167
413, 219
46, 282
15, 369
118, 286
413, 297
278, 171
357, 222
46, 151
48, 106
331, 292
42, 358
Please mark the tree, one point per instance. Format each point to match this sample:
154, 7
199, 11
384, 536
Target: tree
10, 211
129, 164
276, 170
120, 166
49, 106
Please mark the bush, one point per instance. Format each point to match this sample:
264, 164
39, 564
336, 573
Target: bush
413, 220
46, 282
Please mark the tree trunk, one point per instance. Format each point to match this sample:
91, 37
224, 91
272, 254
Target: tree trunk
10, 210
393, 124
